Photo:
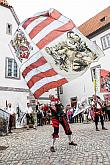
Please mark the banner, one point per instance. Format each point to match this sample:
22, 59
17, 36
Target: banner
104, 81
51, 51
81, 106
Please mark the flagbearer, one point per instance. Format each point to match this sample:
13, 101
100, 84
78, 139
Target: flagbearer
59, 117
98, 113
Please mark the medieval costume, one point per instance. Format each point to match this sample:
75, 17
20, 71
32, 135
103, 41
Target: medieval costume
98, 112
59, 117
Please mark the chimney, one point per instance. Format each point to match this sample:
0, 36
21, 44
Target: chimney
4, 2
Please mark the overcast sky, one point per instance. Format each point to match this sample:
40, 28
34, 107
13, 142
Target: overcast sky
77, 10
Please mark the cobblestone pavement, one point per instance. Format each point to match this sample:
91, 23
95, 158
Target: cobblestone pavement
32, 147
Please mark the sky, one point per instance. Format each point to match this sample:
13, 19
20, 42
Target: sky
77, 10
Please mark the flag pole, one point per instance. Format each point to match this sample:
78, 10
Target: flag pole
94, 86
6, 104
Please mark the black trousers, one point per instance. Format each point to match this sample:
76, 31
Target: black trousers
40, 121
29, 119
11, 118
63, 121
108, 112
96, 120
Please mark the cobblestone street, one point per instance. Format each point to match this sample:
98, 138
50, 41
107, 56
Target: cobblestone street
32, 147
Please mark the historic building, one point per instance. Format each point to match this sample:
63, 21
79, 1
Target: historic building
97, 29
13, 88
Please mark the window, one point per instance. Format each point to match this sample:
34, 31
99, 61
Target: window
9, 29
12, 70
105, 40
93, 72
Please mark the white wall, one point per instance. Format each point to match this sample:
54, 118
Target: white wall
7, 17
11, 96
14, 98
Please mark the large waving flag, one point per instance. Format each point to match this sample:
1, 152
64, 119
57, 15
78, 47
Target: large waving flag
51, 51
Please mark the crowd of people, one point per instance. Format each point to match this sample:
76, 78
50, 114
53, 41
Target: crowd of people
44, 114
55, 113
88, 114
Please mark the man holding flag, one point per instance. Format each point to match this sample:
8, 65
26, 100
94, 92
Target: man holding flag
51, 51
59, 117
98, 112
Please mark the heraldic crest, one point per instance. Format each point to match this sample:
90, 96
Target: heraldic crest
21, 45
72, 53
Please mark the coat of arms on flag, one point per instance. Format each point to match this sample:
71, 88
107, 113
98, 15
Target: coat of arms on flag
71, 53
52, 51
21, 45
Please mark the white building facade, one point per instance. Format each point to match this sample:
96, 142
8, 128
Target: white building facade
97, 29
13, 88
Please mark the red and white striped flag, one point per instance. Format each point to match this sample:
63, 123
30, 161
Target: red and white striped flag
51, 51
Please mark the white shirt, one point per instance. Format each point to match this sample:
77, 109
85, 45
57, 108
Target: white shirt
98, 106
29, 110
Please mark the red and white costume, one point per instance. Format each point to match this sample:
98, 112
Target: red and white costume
58, 117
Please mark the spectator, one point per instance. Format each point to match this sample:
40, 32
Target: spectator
29, 115
48, 116
45, 109
81, 117
70, 114
11, 111
105, 111
75, 118
108, 108
39, 117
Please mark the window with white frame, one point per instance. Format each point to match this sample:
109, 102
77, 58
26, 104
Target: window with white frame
9, 28
105, 40
12, 70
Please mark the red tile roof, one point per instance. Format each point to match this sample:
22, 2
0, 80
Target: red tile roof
4, 2
96, 22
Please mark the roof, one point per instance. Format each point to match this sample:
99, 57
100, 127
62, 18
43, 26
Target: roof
95, 23
4, 3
